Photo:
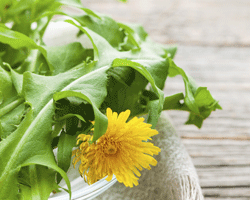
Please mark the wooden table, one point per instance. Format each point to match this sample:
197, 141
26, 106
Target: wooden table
221, 148
214, 39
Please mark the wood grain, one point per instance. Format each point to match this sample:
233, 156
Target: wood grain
196, 22
226, 192
221, 148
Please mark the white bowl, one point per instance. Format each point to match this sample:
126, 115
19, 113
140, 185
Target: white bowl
80, 189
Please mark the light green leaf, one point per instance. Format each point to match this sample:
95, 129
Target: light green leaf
6, 86
24, 147
38, 90
103, 26
17, 80
72, 54
189, 87
206, 104
42, 182
12, 107
4, 110
154, 112
173, 102
18, 40
69, 116
198, 100
96, 51
203, 97
131, 40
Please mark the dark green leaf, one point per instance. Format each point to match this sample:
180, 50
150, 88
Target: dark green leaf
153, 118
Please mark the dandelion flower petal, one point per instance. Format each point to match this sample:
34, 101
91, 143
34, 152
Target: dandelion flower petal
122, 151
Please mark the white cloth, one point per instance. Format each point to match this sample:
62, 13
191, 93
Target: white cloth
174, 177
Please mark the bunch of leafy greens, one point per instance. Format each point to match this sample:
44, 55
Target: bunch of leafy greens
49, 95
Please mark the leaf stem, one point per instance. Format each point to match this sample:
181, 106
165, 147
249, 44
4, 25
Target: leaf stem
35, 54
32, 67
34, 182
11, 106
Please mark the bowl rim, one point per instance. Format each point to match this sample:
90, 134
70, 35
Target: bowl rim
88, 192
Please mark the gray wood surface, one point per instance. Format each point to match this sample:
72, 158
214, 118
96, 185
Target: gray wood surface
214, 39
221, 149
189, 22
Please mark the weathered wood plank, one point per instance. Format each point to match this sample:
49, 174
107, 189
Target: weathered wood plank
224, 177
223, 160
217, 143
224, 138
199, 22
218, 152
227, 192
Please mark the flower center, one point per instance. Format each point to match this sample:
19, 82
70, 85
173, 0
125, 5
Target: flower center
111, 149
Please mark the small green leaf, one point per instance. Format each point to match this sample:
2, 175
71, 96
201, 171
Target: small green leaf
18, 40
69, 116
189, 96
173, 102
154, 113
131, 40
64, 154
198, 100
203, 97
195, 119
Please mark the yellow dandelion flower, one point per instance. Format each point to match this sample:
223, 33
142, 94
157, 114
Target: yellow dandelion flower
122, 150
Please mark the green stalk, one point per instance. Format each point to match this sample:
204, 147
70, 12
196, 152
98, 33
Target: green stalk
34, 182
34, 53
32, 66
